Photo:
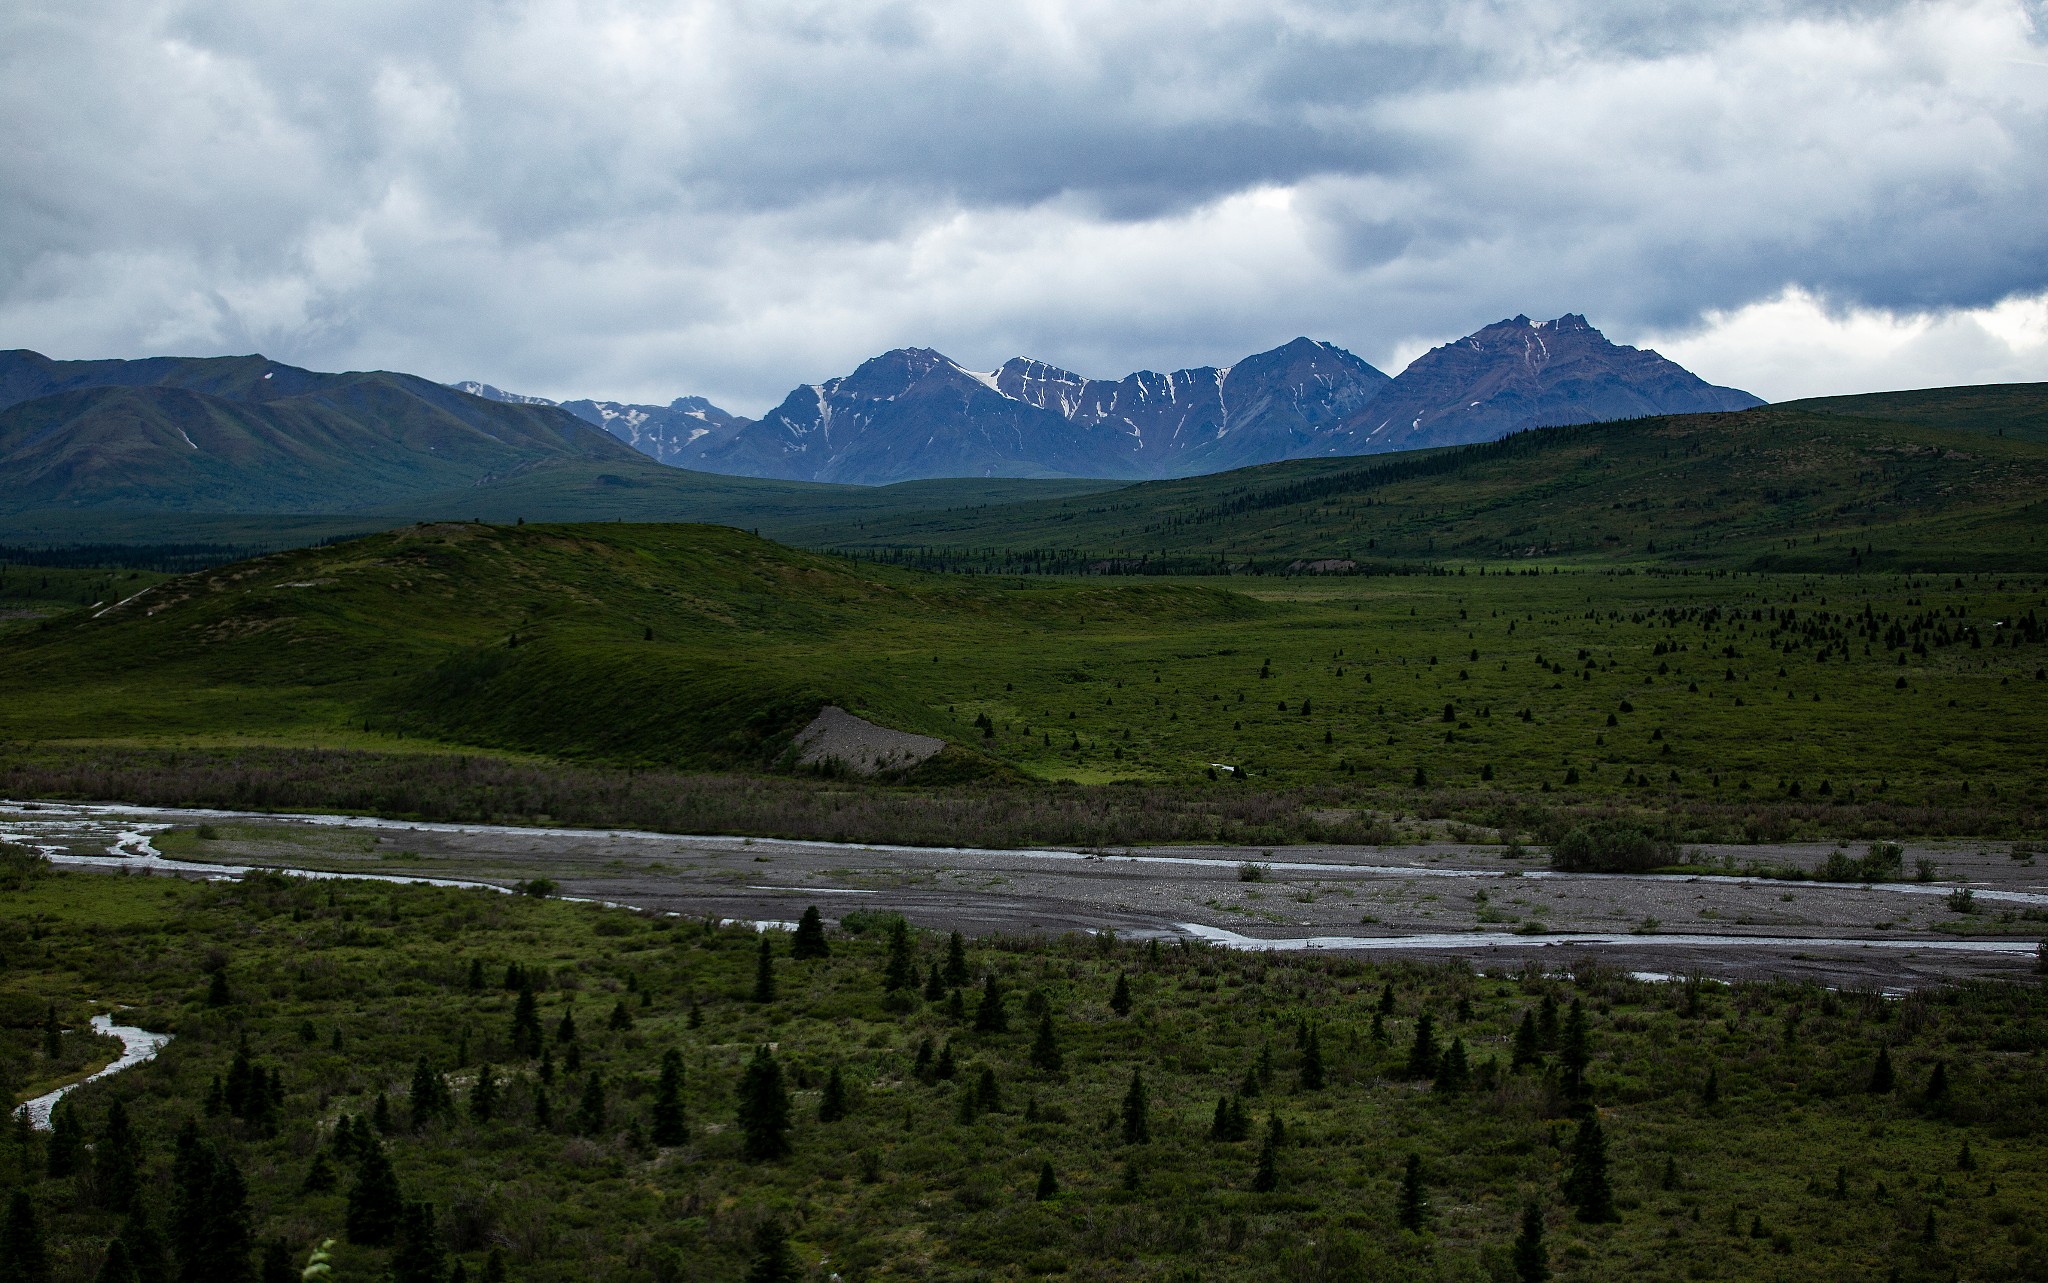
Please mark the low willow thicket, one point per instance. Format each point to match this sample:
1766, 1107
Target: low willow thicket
464, 1085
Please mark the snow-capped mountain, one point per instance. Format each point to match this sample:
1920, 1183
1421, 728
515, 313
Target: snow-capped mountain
914, 412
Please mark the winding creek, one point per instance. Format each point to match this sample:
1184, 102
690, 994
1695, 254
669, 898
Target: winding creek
137, 1046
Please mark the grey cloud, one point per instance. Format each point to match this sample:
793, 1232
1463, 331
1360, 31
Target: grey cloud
641, 199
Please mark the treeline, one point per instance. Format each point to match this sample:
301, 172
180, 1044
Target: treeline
170, 559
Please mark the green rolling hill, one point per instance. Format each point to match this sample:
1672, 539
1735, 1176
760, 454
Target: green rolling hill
1777, 487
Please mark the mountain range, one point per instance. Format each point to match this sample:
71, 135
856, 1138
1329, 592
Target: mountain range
914, 413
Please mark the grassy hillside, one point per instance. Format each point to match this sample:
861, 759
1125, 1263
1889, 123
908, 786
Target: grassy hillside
1773, 488
1755, 704
1744, 1131
2017, 410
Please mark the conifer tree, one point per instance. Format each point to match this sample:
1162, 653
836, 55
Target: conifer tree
1881, 1079
990, 1016
809, 941
1710, 1092
145, 1248
956, 961
945, 1067
483, 1098
115, 1267
763, 1109
900, 972
1386, 1007
1312, 1061
1378, 1032
494, 1266
773, 1261
670, 1128
1048, 1184
526, 1035
26, 1258
1531, 1259
764, 971
210, 1228
620, 1018
591, 1110
320, 1176
543, 1109
418, 1257
374, 1202
832, 1101
921, 1067
217, 994
1525, 1053
67, 1141
1219, 1127
1422, 1053
1414, 1210
1120, 997
1586, 1186
1266, 1176
237, 1090
476, 975
565, 1030
988, 1095
277, 1264
1576, 1054
1546, 1022
1937, 1084
1137, 1125
1045, 1047
1454, 1073
116, 1160
934, 987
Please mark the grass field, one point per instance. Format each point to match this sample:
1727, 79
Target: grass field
1794, 1169
701, 648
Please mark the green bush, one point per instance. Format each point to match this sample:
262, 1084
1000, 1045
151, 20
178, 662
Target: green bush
1611, 846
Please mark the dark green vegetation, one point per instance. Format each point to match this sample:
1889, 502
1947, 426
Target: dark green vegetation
1776, 488
1750, 706
593, 1094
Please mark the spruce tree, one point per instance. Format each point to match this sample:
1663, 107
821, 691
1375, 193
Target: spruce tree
67, 1141
1531, 1259
956, 961
1937, 1085
1219, 1127
764, 971
763, 1109
217, 994
320, 1176
418, 1257
1414, 1210
1576, 1054
988, 1095
1266, 1176
1422, 1053
565, 1030
429, 1098
483, 1098
1312, 1061
494, 1266
116, 1267
1525, 1053
237, 1090
374, 1202
26, 1258
1710, 1092
116, 1160
145, 1248
1048, 1184
1586, 1186
670, 1128
1454, 1072
944, 1068
921, 1066
1137, 1125
832, 1101
1120, 997
773, 1261
620, 1019
591, 1111
1045, 1047
990, 1017
900, 972
526, 1035
210, 1226
543, 1109
1881, 1080
934, 987
476, 975
1386, 1007
809, 942
1546, 1022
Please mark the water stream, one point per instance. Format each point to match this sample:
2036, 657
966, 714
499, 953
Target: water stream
137, 1046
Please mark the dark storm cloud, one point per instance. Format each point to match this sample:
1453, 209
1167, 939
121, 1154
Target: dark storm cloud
628, 199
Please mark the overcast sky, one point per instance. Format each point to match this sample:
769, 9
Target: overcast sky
640, 200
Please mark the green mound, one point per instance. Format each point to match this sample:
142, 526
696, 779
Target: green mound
693, 646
